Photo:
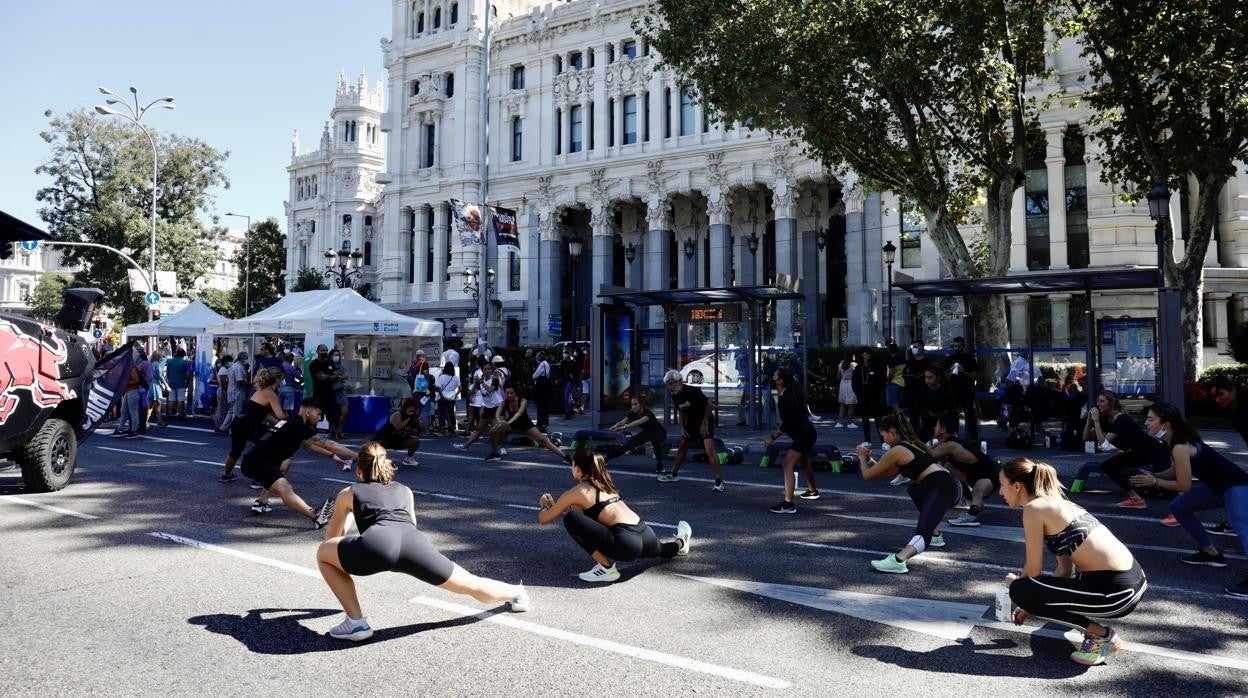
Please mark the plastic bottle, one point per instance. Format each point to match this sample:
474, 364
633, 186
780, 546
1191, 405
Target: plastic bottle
1005, 606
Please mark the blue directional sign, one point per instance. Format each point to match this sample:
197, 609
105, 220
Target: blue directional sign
152, 298
97, 333
30, 245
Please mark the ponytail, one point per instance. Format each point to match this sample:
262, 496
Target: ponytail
374, 463
1039, 479
898, 422
594, 467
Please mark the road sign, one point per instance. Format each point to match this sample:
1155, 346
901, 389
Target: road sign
97, 333
30, 245
152, 298
172, 304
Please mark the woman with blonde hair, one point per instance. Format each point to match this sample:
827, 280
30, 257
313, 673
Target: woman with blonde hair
263, 408
934, 490
389, 541
605, 527
1096, 576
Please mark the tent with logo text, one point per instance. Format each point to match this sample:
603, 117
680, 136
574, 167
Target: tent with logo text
322, 315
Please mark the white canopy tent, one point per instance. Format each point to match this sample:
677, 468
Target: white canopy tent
187, 322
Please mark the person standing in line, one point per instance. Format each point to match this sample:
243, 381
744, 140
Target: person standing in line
447, 388
240, 384
473, 396
963, 370
543, 391
503, 373
266, 359
223, 392
867, 382
1222, 485
1096, 576
1139, 450
340, 394
934, 490
651, 431
971, 466
896, 378
606, 528
916, 365
846, 395
794, 421
128, 423
292, 382
584, 376
697, 423
419, 366
157, 390
322, 371
512, 417
425, 402
177, 375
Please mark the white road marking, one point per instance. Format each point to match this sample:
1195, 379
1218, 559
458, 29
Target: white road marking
1006, 533
202, 429
48, 507
607, 645
130, 450
948, 620
521, 506
288, 567
172, 441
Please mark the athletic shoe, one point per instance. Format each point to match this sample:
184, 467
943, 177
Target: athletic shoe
410, 461
254, 485
890, 564
261, 507
669, 477
1132, 503
837, 425
228, 478
1222, 529
719, 487
783, 508
354, 630
494, 456
964, 519
1094, 649
938, 541
1238, 590
809, 494
348, 466
520, 603
118, 433
1169, 521
598, 574
131, 435
1201, 557
899, 481
324, 513
502, 451
459, 447
684, 532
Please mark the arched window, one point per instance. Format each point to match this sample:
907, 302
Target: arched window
437, 18
449, 82
299, 197
315, 184
415, 15
454, 13
420, 23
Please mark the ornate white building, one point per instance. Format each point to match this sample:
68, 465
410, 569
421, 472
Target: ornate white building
589, 136
20, 274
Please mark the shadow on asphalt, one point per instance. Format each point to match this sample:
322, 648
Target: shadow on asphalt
281, 630
1048, 660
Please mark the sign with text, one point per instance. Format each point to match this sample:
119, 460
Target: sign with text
723, 312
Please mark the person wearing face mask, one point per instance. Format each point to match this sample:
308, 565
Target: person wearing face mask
916, 365
322, 371
400, 430
1222, 484
340, 392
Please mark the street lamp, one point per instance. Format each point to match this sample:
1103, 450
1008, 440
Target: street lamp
574, 251
1170, 373
134, 114
821, 242
472, 286
247, 279
690, 248
343, 265
890, 256
630, 252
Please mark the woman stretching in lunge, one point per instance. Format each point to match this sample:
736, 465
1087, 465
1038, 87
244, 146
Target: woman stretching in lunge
263, 408
1108, 583
794, 421
605, 527
933, 490
389, 541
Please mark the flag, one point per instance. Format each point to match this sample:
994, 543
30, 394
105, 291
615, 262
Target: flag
505, 231
466, 218
105, 387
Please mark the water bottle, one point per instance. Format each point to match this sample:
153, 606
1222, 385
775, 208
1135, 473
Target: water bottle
983, 447
1005, 606
1089, 447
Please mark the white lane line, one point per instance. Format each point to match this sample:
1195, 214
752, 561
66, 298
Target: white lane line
286, 566
642, 653
206, 462
48, 507
937, 558
129, 450
172, 441
206, 431
521, 506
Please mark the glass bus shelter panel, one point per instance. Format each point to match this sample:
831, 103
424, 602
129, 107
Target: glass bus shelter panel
712, 357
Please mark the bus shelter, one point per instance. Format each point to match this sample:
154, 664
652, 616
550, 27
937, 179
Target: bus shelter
631, 359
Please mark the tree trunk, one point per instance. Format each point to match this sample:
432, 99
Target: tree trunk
1191, 300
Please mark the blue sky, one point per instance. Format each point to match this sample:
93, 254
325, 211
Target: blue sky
244, 76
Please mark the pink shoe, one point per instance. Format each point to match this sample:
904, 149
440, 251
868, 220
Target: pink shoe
1169, 521
1132, 503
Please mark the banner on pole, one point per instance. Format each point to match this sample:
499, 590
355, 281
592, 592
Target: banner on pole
506, 234
466, 219
106, 386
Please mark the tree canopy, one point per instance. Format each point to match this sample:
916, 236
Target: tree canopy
268, 268
309, 279
46, 299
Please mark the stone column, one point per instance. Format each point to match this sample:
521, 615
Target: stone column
565, 131
1055, 164
441, 233
1018, 320
602, 227
810, 265
717, 211
658, 228
1018, 232
784, 202
1219, 324
420, 241
550, 281
863, 303
656, 108
1059, 318
601, 120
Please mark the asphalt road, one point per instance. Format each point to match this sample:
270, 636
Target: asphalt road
146, 576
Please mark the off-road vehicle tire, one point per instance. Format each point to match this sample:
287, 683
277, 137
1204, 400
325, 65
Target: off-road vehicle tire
48, 459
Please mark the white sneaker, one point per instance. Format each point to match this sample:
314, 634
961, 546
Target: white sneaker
520, 603
502, 451
899, 481
598, 574
410, 461
964, 519
459, 447
684, 533
354, 630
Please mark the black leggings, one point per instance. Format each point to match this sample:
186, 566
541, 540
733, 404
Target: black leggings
619, 542
1121, 466
657, 441
933, 497
1074, 601
394, 547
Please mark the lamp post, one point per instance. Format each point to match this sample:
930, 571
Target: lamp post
890, 256
343, 265
752, 243
574, 251
472, 286
821, 242
134, 114
247, 278
1169, 363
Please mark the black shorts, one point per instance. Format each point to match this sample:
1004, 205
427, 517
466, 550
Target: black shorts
695, 435
975, 472
521, 425
487, 413
262, 471
394, 440
394, 547
803, 443
241, 431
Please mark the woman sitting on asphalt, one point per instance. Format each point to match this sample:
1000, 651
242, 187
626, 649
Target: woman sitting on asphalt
602, 524
512, 417
1138, 450
1222, 484
1096, 576
400, 429
933, 490
794, 421
385, 512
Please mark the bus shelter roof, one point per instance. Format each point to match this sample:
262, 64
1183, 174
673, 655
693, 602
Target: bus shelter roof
1031, 282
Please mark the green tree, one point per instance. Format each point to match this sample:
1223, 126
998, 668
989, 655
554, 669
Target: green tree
101, 192
45, 300
1167, 81
309, 279
926, 99
268, 268
220, 301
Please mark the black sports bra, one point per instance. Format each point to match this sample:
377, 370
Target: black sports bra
1068, 540
596, 510
922, 459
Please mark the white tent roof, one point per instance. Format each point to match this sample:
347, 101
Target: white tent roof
336, 312
187, 322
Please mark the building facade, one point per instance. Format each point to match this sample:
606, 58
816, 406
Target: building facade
590, 137
20, 274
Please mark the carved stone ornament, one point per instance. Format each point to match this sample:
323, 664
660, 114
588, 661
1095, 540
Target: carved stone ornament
349, 178
714, 169
597, 187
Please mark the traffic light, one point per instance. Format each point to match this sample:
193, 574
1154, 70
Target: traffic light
6, 250
155, 314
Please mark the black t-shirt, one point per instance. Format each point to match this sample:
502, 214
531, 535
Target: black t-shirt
1129, 436
651, 425
692, 404
375, 503
325, 366
964, 380
916, 366
794, 420
282, 440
